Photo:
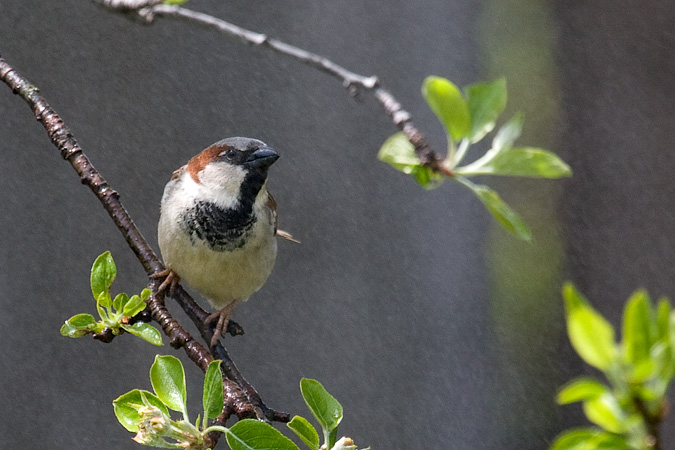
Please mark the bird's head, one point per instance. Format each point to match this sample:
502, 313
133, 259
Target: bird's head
235, 167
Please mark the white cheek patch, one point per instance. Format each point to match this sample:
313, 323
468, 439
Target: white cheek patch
223, 182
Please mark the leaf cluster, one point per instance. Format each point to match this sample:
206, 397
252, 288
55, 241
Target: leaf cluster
467, 118
114, 313
147, 414
638, 371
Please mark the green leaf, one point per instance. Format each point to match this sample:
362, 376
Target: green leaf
638, 327
662, 318
588, 439
305, 431
446, 101
502, 159
119, 301
508, 133
580, 389
504, 215
133, 306
653, 400
330, 437
426, 177
174, 2
660, 355
79, 325
145, 331
398, 152
250, 434
663, 353
326, 409
521, 162
126, 408
212, 397
575, 439
486, 101
168, 381
145, 294
642, 371
103, 273
590, 334
606, 412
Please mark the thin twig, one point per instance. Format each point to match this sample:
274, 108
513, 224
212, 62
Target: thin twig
244, 401
128, 5
350, 80
652, 422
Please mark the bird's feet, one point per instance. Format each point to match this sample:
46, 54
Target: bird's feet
172, 279
223, 317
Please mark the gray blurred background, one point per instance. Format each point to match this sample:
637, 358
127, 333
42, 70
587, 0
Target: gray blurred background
434, 328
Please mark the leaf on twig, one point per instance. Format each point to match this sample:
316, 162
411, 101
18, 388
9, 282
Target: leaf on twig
486, 101
212, 397
168, 380
446, 101
144, 331
398, 152
590, 334
103, 273
504, 215
326, 409
250, 434
305, 431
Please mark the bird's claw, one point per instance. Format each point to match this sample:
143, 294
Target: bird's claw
223, 317
171, 280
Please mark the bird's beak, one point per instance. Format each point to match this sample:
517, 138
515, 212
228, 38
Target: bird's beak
262, 158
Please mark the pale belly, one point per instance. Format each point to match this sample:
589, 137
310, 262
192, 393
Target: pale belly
225, 276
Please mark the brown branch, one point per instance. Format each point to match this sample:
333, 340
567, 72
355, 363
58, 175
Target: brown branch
198, 317
241, 397
652, 422
148, 10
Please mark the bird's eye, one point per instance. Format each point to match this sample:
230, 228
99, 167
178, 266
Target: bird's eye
230, 153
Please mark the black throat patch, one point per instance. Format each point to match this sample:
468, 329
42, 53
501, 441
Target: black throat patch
221, 229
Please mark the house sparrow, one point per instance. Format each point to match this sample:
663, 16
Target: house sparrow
218, 224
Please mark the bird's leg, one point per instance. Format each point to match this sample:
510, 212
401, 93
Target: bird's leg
223, 317
171, 280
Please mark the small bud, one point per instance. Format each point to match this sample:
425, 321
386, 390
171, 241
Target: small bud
345, 443
152, 426
153, 419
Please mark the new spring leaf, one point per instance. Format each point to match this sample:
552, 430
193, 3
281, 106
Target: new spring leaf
168, 381
591, 335
326, 409
103, 273
446, 101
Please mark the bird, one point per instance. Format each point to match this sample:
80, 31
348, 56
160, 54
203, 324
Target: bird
218, 225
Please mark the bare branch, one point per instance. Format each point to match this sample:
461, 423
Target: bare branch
128, 5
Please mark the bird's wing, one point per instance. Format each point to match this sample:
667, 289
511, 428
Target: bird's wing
272, 205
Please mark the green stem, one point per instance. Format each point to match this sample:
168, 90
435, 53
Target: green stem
216, 428
461, 151
326, 439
